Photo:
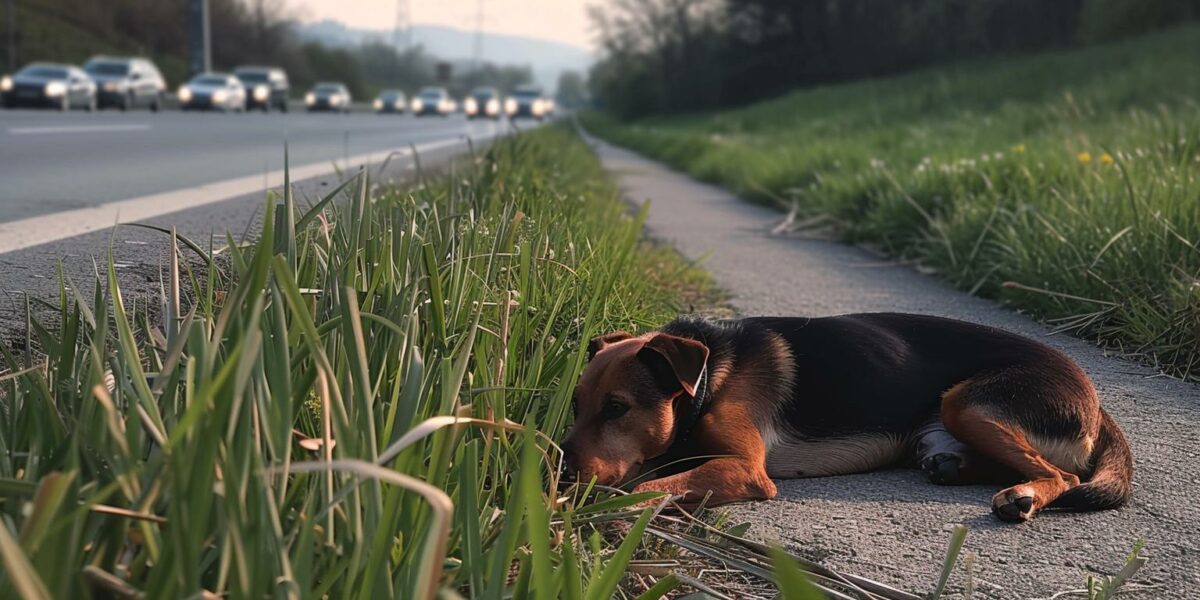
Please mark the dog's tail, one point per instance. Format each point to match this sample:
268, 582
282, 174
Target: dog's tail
1109, 486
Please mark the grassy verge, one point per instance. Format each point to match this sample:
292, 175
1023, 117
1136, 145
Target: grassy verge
360, 404
1063, 184
288, 430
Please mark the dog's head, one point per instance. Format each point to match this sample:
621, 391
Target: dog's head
627, 402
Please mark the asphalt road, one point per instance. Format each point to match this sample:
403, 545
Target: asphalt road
893, 526
52, 162
67, 179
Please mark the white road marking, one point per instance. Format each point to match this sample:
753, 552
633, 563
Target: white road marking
42, 229
78, 129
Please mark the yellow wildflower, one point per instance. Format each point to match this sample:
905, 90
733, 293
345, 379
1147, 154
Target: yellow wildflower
1019, 148
1107, 159
1084, 157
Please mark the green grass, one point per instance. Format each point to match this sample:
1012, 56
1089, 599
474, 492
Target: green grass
361, 403
370, 319
1069, 176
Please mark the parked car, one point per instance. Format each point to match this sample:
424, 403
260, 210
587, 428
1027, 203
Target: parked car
433, 101
527, 101
126, 83
266, 87
329, 96
50, 85
483, 102
213, 91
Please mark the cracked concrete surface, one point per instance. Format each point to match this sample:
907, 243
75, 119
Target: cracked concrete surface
894, 526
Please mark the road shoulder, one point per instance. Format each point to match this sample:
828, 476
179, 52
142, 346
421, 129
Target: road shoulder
894, 526
30, 274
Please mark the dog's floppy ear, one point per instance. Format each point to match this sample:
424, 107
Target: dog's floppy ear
685, 357
599, 342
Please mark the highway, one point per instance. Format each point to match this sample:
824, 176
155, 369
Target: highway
52, 162
67, 179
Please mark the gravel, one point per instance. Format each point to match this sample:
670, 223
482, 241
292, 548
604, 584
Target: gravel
894, 526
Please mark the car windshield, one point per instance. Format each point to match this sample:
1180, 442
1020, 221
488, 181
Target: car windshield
527, 93
328, 89
389, 94
44, 72
209, 80
483, 92
253, 77
107, 68
431, 93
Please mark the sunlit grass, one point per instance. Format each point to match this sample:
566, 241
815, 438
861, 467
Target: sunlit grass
1072, 177
363, 403
344, 408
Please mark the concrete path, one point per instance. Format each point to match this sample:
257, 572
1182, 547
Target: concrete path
894, 526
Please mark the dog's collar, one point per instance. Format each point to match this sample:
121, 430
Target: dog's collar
698, 404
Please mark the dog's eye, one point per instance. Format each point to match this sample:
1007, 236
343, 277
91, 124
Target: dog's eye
613, 409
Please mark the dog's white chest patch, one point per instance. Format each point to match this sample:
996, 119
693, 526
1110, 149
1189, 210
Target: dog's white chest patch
789, 457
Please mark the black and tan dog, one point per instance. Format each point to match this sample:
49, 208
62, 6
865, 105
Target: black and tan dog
793, 397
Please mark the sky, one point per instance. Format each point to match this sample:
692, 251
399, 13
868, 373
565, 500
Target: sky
558, 20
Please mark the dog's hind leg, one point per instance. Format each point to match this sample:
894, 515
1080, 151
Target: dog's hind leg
971, 414
947, 461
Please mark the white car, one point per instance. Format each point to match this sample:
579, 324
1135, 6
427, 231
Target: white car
213, 91
528, 101
390, 101
433, 101
328, 96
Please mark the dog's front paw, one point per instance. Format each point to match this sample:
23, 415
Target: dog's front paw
1015, 504
945, 468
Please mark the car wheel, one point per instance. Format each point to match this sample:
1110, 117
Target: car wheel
157, 104
127, 103
65, 104
283, 106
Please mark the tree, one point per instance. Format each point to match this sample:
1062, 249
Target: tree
572, 89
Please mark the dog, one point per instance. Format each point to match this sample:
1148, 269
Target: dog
765, 398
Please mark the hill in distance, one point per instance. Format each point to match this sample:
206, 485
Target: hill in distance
546, 58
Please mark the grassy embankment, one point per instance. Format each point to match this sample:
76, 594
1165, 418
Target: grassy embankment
1064, 184
467, 297
288, 430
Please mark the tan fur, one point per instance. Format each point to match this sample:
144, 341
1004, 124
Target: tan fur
789, 457
1069, 455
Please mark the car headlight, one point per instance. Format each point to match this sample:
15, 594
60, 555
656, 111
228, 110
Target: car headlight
398, 104
56, 88
310, 98
335, 100
6, 84
537, 108
510, 106
493, 106
470, 106
377, 104
417, 104
111, 86
220, 96
261, 93
185, 94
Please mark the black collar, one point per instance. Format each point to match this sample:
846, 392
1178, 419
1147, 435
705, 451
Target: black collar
699, 403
